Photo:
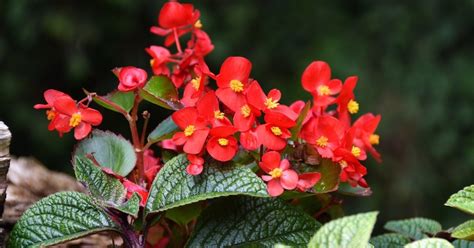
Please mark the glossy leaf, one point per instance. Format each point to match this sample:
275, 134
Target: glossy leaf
389, 240
463, 200
430, 243
117, 101
414, 228
252, 222
109, 150
164, 130
295, 131
350, 231
174, 187
329, 181
161, 91
464, 231
58, 218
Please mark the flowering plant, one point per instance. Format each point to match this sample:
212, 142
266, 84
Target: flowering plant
272, 166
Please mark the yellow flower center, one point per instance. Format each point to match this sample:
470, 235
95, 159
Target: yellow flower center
322, 141
50, 114
152, 62
270, 103
189, 130
245, 110
198, 24
218, 115
353, 106
196, 82
223, 141
355, 151
374, 139
276, 131
343, 163
236, 85
75, 119
276, 173
323, 90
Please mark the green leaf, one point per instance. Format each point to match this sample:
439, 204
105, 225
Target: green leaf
350, 231
389, 240
464, 231
430, 243
329, 181
109, 150
463, 244
347, 189
164, 130
295, 131
58, 218
131, 207
252, 222
184, 214
174, 187
415, 228
463, 200
117, 101
161, 91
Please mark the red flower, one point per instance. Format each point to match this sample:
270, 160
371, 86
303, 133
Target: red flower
131, 78
175, 15
208, 107
275, 132
51, 114
195, 165
222, 146
194, 128
364, 134
307, 180
80, 118
348, 144
316, 79
249, 140
280, 175
345, 101
201, 44
135, 188
352, 170
325, 133
257, 98
159, 59
244, 119
232, 81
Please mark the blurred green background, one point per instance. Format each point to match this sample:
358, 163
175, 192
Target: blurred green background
414, 59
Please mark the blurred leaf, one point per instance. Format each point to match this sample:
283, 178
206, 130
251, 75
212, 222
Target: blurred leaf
184, 214
464, 231
389, 240
164, 130
414, 228
117, 101
161, 91
463, 244
430, 243
347, 189
463, 200
329, 176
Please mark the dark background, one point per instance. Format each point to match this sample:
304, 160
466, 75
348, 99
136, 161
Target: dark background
414, 59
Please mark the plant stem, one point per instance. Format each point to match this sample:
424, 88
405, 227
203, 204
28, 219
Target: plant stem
132, 121
146, 118
176, 40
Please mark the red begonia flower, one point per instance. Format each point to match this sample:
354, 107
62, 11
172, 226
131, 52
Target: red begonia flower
195, 165
280, 176
175, 15
194, 128
364, 134
275, 132
324, 133
159, 59
307, 180
352, 170
249, 140
80, 118
135, 188
208, 107
222, 146
52, 115
169, 145
245, 117
131, 78
201, 44
348, 144
257, 98
346, 103
232, 82
316, 79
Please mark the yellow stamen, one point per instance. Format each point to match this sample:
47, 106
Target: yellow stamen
218, 115
276, 173
152, 62
198, 24
374, 139
323, 90
343, 163
236, 85
75, 119
322, 141
353, 106
196, 82
270, 103
223, 141
189, 130
355, 151
50, 114
245, 110
276, 131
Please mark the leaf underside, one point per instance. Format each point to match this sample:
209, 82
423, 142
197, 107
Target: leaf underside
463, 200
389, 240
414, 228
430, 243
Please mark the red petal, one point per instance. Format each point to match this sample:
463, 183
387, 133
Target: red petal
256, 96
279, 119
179, 138
234, 68
270, 161
222, 153
268, 139
91, 116
223, 131
243, 124
249, 140
207, 105
196, 141
317, 73
185, 117
308, 180
51, 95
231, 99
274, 94
289, 179
194, 169
82, 130
274, 188
65, 105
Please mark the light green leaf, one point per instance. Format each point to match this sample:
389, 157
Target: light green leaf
184, 214
164, 130
415, 228
174, 187
463, 244
329, 181
463, 200
350, 231
131, 207
389, 240
161, 91
430, 243
464, 231
252, 222
109, 150
58, 218
117, 101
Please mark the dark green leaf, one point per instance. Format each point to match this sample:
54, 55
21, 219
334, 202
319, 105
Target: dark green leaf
295, 131
464, 231
184, 214
174, 187
58, 218
117, 101
430, 243
130, 207
161, 91
109, 150
329, 181
252, 222
349, 231
463, 200
414, 228
164, 130
389, 240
